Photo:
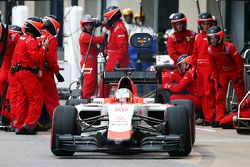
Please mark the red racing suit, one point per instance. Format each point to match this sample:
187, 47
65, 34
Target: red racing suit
13, 37
180, 43
169, 77
200, 62
227, 65
30, 96
244, 113
12, 92
12, 95
188, 83
90, 79
117, 50
50, 67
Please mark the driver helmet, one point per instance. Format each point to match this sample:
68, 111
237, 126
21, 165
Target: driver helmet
124, 95
184, 63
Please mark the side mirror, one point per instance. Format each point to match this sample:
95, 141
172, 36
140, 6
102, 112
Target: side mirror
141, 40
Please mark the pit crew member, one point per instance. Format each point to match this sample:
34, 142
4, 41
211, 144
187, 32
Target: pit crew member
89, 79
227, 65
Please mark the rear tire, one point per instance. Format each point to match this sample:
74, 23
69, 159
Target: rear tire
188, 104
243, 131
64, 122
179, 123
243, 124
74, 102
163, 96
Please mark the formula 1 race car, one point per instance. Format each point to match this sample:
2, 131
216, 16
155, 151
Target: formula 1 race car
124, 122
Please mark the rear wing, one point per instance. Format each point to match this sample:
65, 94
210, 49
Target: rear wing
138, 77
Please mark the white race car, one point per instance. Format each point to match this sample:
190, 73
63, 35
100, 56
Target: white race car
123, 123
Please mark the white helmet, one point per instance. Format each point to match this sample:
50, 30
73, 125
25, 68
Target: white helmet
124, 95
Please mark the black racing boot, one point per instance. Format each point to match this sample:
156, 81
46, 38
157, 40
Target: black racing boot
26, 130
216, 124
206, 124
4, 121
199, 119
228, 125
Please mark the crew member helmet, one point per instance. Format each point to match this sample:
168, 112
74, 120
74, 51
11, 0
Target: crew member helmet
111, 15
86, 19
137, 15
179, 17
51, 24
127, 11
171, 17
204, 17
33, 25
16, 29
215, 31
184, 63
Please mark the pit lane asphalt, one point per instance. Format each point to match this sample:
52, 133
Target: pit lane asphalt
213, 147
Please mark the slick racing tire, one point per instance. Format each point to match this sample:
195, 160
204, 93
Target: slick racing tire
243, 127
178, 122
64, 122
188, 104
163, 96
243, 131
74, 102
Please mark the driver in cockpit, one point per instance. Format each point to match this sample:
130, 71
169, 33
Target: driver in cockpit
124, 95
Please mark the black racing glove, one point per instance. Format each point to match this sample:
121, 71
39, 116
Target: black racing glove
59, 77
97, 23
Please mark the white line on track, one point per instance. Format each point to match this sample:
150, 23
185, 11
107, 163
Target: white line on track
204, 129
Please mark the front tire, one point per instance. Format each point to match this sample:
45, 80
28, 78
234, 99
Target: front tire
243, 127
188, 104
74, 102
243, 131
64, 122
179, 123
